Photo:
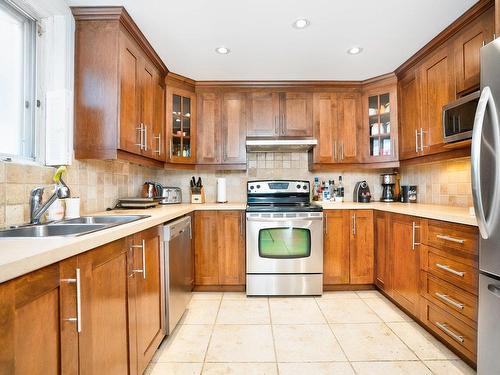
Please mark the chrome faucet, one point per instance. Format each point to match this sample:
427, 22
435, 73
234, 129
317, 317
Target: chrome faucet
37, 209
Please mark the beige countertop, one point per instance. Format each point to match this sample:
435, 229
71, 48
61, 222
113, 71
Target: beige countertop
19, 256
459, 215
22, 255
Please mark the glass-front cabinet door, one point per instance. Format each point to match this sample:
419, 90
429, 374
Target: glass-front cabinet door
381, 126
180, 125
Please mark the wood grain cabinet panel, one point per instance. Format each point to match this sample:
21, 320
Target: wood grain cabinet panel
336, 247
209, 128
349, 127
158, 137
263, 111
116, 73
325, 120
234, 128
381, 236
296, 114
404, 261
145, 297
219, 243
467, 44
31, 324
409, 115
361, 249
437, 89
103, 340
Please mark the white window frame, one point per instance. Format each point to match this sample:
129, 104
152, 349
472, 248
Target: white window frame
30, 139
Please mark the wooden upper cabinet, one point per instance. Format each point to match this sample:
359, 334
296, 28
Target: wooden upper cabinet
234, 128
209, 128
325, 119
405, 261
361, 254
116, 73
379, 133
130, 95
159, 138
467, 44
296, 117
409, 115
262, 114
336, 247
103, 340
145, 297
437, 90
348, 129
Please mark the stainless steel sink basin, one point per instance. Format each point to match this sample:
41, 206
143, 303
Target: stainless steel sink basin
108, 219
71, 227
52, 230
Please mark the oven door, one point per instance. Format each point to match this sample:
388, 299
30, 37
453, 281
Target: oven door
284, 243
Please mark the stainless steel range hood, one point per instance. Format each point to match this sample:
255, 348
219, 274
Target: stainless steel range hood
280, 145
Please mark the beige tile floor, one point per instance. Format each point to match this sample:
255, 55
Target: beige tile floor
340, 333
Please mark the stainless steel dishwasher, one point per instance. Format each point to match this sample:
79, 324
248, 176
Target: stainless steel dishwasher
178, 265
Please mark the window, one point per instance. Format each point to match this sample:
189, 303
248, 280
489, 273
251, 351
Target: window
17, 82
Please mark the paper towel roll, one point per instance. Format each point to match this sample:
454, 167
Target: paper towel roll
221, 190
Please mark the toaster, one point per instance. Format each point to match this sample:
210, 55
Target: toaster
169, 195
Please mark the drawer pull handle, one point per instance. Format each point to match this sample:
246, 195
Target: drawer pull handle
450, 301
450, 239
450, 270
449, 332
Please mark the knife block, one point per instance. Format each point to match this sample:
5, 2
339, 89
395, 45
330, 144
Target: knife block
198, 198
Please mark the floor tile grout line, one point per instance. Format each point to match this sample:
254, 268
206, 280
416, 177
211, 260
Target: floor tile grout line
211, 334
336, 338
272, 335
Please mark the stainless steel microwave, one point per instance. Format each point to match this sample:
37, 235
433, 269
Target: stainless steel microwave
458, 118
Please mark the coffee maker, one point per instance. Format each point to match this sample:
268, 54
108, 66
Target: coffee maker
362, 192
388, 183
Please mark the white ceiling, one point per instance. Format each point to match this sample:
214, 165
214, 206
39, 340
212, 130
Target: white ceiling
264, 46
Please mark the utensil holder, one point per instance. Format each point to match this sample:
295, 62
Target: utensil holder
198, 198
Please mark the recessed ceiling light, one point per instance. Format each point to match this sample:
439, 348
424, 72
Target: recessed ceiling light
301, 23
354, 50
222, 50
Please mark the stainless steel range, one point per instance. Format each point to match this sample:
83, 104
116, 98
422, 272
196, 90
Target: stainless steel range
284, 235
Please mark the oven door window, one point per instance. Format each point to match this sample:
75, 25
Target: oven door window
284, 243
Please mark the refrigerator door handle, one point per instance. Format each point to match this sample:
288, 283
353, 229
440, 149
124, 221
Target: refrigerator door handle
485, 100
495, 289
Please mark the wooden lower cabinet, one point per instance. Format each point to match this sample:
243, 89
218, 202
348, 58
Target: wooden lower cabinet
348, 247
381, 236
219, 242
404, 258
89, 314
145, 297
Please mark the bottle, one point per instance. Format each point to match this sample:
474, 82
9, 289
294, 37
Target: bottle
333, 190
326, 192
340, 191
316, 189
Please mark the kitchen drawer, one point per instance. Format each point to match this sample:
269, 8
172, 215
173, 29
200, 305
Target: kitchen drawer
452, 330
459, 274
447, 236
453, 300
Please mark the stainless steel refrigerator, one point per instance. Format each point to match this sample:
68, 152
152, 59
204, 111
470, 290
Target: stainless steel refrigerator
485, 161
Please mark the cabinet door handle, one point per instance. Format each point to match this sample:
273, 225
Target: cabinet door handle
283, 124
413, 236
450, 270
141, 136
449, 332
451, 239
450, 301
416, 140
353, 224
145, 137
77, 282
276, 130
422, 139
159, 144
334, 150
143, 249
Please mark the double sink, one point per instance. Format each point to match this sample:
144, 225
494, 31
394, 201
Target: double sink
70, 227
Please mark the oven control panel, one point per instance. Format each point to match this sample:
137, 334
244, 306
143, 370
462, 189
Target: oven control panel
278, 186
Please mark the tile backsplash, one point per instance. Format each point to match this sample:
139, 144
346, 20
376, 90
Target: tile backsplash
100, 183
443, 183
